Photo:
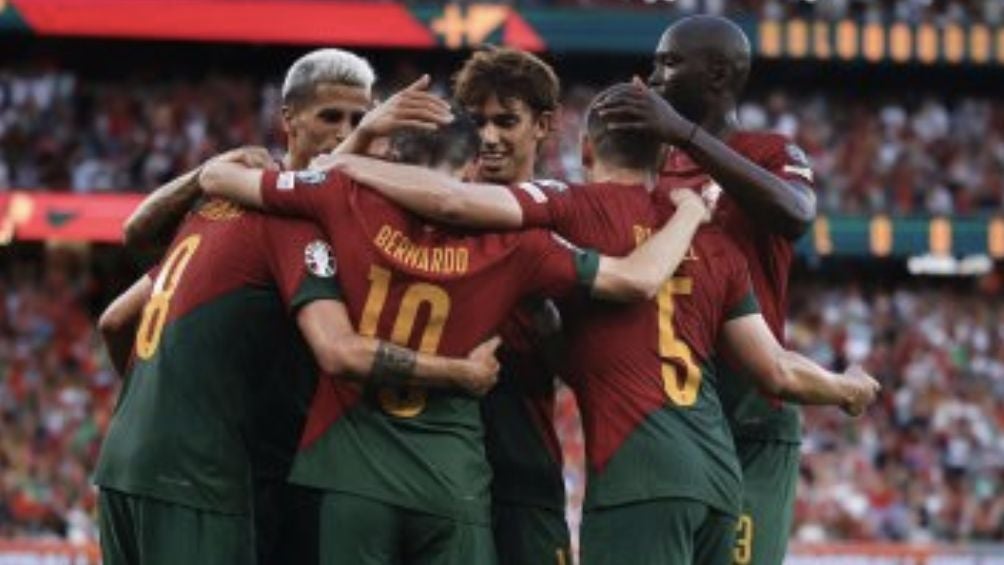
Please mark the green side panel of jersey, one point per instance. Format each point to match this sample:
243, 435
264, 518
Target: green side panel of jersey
433, 462
524, 471
280, 399
181, 428
674, 453
753, 416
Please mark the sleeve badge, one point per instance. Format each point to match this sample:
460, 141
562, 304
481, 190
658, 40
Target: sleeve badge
310, 176
799, 163
319, 259
285, 181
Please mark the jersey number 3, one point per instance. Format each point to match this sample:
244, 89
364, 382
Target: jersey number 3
681, 377
151, 326
406, 402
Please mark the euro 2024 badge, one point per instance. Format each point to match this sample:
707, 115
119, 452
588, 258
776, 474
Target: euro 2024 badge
319, 259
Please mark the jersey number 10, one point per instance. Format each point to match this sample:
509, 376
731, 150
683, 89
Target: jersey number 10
406, 402
681, 377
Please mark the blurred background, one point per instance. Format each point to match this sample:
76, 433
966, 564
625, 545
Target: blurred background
898, 103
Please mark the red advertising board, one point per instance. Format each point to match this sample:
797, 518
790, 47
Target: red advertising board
267, 21
35, 216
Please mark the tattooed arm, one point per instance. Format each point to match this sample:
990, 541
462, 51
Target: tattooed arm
340, 351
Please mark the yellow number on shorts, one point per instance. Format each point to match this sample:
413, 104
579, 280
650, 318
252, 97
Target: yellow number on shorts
407, 402
681, 377
151, 326
743, 552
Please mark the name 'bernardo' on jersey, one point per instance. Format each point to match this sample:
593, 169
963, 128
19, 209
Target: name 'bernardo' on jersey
442, 260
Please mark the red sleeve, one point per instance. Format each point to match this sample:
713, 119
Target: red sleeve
554, 267
301, 262
305, 194
788, 161
547, 204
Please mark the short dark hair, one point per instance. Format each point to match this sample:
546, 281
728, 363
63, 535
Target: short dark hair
509, 74
454, 144
631, 149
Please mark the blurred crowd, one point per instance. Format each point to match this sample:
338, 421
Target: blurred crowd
56, 395
868, 155
928, 463
58, 133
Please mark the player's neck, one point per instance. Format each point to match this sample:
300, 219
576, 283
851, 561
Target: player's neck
721, 123
619, 175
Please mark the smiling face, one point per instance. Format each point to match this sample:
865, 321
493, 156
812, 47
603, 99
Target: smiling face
320, 123
510, 134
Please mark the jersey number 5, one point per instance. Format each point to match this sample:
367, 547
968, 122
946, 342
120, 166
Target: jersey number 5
151, 326
406, 402
681, 377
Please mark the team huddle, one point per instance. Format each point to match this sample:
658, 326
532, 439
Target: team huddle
350, 356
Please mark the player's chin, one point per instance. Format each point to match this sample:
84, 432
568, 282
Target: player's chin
494, 171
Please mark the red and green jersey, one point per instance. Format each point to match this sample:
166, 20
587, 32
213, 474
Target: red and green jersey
643, 373
769, 256
438, 291
214, 338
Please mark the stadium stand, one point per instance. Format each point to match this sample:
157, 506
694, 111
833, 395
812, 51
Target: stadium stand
57, 130
926, 465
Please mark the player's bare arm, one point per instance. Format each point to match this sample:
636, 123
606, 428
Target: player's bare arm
639, 275
152, 225
119, 321
434, 194
412, 107
791, 376
233, 181
789, 206
341, 352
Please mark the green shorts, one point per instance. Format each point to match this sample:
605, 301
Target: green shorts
667, 531
355, 530
286, 523
528, 535
139, 529
770, 474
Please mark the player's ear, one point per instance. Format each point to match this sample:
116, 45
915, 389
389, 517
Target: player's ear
287, 119
588, 153
544, 124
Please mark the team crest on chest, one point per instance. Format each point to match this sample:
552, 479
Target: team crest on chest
319, 259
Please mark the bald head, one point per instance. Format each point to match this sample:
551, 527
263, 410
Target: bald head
701, 63
716, 39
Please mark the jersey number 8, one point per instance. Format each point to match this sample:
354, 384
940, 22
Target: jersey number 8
151, 326
681, 377
405, 402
